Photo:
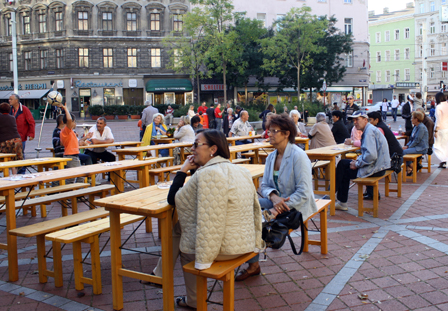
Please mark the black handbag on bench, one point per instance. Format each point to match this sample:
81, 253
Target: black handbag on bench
274, 232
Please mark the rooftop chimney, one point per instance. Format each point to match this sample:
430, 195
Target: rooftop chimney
385, 10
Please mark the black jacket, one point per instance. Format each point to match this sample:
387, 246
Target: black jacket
394, 145
406, 114
340, 132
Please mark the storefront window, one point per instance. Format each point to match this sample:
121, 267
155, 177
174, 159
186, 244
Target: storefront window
158, 99
169, 99
179, 99
109, 97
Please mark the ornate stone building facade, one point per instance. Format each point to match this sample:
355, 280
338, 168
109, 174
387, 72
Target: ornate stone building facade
95, 52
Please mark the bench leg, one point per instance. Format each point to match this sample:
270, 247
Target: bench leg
375, 200
399, 183
305, 237
414, 171
96, 265
77, 265
201, 286
41, 261
361, 200
116, 260
74, 205
323, 232
386, 184
229, 292
148, 224
57, 264
64, 209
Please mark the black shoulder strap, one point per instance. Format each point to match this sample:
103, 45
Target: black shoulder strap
302, 230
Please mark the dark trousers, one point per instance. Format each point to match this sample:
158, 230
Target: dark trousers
343, 176
105, 156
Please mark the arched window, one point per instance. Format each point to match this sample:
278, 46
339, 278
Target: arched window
131, 19
107, 16
82, 18
155, 13
57, 18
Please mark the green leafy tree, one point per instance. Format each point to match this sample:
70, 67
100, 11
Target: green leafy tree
297, 37
187, 53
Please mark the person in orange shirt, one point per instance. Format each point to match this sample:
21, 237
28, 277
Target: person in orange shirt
70, 141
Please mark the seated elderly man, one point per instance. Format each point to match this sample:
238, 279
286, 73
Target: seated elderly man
373, 161
241, 127
320, 134
102, 134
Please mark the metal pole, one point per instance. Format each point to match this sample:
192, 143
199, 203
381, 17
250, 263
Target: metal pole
424, 63
14, 52
38, 149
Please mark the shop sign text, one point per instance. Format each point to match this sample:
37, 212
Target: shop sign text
79, 83
31, 86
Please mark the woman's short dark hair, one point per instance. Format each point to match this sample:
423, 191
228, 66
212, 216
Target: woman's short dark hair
337, 113
60, 119
384, 99
195, 119
5, 108
374, 115
418, 95
440, 98
64, 118
218, 139
285, 123
270, 107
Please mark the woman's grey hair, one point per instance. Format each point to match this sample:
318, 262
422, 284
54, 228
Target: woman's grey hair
229, 110
320, 117
294, 112
186, 119
161, 117
191, 107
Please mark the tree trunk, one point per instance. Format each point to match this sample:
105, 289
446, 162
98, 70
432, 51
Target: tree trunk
245, 92
298, 87
224, 68
199, 89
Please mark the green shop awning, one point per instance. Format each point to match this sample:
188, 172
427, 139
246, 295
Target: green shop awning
169, 85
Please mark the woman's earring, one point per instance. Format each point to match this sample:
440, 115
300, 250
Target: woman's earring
211, 155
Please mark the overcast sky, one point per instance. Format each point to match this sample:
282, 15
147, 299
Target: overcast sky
394, 5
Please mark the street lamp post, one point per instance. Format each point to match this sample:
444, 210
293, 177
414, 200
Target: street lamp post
14, 50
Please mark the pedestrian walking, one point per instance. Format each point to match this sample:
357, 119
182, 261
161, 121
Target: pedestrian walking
384, 108
394, 104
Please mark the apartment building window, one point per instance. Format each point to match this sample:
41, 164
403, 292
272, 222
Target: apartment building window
59, 58
443, 49
42, 23
443, 74
178, 22
11, 62
433, 49
107, 21
155, 21
83, 21
407, 34
397, 55
132, 58
155, 58
177, 60
432, 6
83, 58
348, 25
397, 34
387, 76
387, 57
378, 37
420, 29
443, 28
432, 28
378, 57
8, 26
59, 21
44, 59
262, 17
108, 58
407, 53
131, 21
347, 1
349, 59
443, 2
420, 54
26, 25
407, 75
397, 75
431, 72
378, 76
27, 58
387, 36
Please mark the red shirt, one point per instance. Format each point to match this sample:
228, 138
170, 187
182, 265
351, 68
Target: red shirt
70, 141
216, 113
203, 109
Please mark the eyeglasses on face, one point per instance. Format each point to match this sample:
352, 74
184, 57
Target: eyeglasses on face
274, 132
196, 144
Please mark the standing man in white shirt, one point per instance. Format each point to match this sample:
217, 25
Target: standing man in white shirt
395, 103
384, 108
102, 134
241, 127
148, 114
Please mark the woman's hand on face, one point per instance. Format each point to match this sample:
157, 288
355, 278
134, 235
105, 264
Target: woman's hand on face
280, 203
189, 164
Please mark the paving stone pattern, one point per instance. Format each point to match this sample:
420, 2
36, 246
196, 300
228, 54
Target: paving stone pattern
397, 261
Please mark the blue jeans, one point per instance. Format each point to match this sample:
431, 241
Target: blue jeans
384, 113
242, 142
411, 151
85, 159
394, 114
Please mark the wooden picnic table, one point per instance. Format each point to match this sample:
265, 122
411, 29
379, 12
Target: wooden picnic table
7, 189
329, 154
41, 163
233, 139
163, 140
247, 147
117, 144
139, 152
151, 202
303, 140
5, 157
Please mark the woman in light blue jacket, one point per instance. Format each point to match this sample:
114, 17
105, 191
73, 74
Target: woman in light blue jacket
418, 143
287, 179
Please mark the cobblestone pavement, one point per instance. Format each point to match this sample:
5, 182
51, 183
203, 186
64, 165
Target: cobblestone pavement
397, 261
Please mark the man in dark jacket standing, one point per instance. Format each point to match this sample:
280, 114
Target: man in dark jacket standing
211, 116
350, 109
406, 115
340, 132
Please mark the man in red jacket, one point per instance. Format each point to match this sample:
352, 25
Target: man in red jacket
25, 122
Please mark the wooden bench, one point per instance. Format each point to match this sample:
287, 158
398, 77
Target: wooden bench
39, 230
373, 181
160, 173
320, 171
427, 167
413, 158
102, 190
87, 233
220, 270
42, 192
262, 155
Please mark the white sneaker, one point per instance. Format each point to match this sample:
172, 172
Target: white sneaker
341, 206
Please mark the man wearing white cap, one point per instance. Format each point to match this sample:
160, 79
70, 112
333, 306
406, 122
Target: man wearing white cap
373, 161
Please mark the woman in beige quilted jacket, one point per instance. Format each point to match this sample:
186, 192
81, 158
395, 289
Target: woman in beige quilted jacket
218, 208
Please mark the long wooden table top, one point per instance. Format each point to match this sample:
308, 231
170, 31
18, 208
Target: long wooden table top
252, 146
333, 150
29, 162
6, 156
234, 138
117, 144
135, 150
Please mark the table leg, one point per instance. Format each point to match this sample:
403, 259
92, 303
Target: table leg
116, 260
13, 263
167, 267
117, 178
256, 151
182, 154
333, 186
307, 145
171, 155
